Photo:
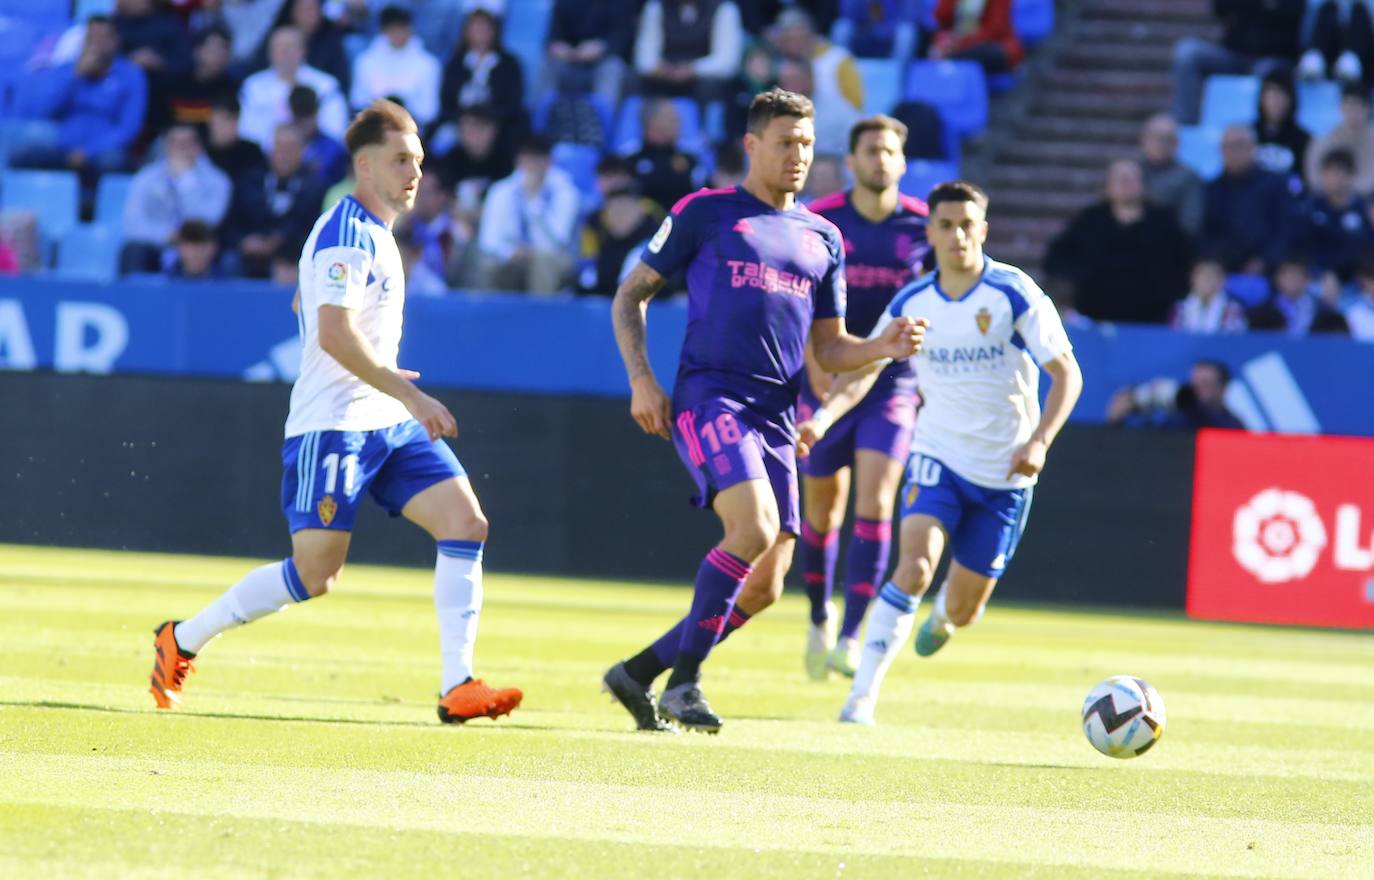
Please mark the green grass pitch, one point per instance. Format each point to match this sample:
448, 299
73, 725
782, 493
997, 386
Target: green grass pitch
309, 744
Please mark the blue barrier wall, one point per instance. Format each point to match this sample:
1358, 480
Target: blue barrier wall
504, 342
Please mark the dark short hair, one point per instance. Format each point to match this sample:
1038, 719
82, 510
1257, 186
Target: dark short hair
613, 164
957, 191
1295, 257
482, 111
1339, 157
1356, 90
775, 103
228, 103
369, 128
1223, 371
195, 232
214, 30
535, 145
303, 102
393, 14
100, 18
879, 122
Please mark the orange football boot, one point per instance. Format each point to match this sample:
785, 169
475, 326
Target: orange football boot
170, 667
473, 699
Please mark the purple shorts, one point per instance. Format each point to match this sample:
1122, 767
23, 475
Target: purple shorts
882, 422
723, 442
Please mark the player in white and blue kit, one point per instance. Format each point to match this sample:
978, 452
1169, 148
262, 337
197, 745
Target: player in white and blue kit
981, 438
359, 425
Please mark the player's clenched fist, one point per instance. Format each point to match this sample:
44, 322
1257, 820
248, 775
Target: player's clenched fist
435, 417
903, 337
650, 407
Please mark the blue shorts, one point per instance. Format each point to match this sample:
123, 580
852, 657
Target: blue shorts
324, 473
984, 525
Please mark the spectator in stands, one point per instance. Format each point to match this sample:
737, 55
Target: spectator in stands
976, 30
832, 135
587, 47
826, 177
1164, 403
482, 73
1297, 307
729, 167
1258, 36
197, 253
236, 156
837, 90
279, 208
157, 41
688, 47
324, 48
1126, 259
397, 66
1354, 134
476, 162
613, 237
1333, 225
421, 278
326, 157
758, 15
190, 97
249, 21
286, 265
95, 106
1168, 182
758, 73
182, 185
1245, 221
1282, 143
614, 173
433, 228
528, 222
265, 94
1359, 315
1207, 308
879, 28
664, 171
1340, 39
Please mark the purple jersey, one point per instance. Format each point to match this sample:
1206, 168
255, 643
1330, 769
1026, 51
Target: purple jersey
880, 259
756, 279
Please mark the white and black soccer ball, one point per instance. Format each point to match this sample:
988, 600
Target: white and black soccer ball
1123, 716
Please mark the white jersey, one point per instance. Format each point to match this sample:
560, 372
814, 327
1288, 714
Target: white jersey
350, 260
978, 369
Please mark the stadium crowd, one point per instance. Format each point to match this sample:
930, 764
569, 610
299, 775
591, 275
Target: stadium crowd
550, 165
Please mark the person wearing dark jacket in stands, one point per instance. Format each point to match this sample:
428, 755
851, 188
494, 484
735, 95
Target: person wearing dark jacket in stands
1127, 260
1247, 209
481, 72
1281, 142
588, 46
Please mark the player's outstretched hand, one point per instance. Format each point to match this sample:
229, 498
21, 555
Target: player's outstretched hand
903, 337
436, 418
1029, 459
650, 407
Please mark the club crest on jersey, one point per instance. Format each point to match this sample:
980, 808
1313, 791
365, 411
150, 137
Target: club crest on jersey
661, 237
327, 509
337, 271
984, 319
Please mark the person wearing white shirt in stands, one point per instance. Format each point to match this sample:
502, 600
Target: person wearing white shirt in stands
397, 65
1360, 313
265, 93
1208, 308
528, 221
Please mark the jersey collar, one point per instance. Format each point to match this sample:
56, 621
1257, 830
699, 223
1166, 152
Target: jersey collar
366, 213
947, 298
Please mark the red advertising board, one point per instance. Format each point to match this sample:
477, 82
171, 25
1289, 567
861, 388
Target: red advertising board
1283, 530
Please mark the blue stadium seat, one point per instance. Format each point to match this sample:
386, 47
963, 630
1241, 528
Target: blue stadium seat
628, 133
1033, 20
923, 174
86, 8
52, 196
1199, 147
579, 161
1319, 107
958, 89
110, 194
882, 81
1230, 100
90, 252
525, 29
1248, 290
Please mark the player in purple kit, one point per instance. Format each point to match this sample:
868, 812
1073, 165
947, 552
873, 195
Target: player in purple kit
763, 274
884, 244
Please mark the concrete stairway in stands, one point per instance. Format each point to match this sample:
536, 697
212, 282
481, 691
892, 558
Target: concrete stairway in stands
1108, 69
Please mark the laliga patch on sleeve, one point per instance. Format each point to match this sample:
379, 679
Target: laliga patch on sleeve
337, 272
661, 237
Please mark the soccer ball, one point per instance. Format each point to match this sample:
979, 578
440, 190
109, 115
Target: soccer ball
1123, 716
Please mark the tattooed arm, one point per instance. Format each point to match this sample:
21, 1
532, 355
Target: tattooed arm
649, 406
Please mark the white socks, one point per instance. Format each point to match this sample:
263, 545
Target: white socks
263, 591
889, 625
458, 603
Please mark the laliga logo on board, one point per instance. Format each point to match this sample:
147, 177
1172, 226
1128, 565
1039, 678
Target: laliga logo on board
1278, 536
